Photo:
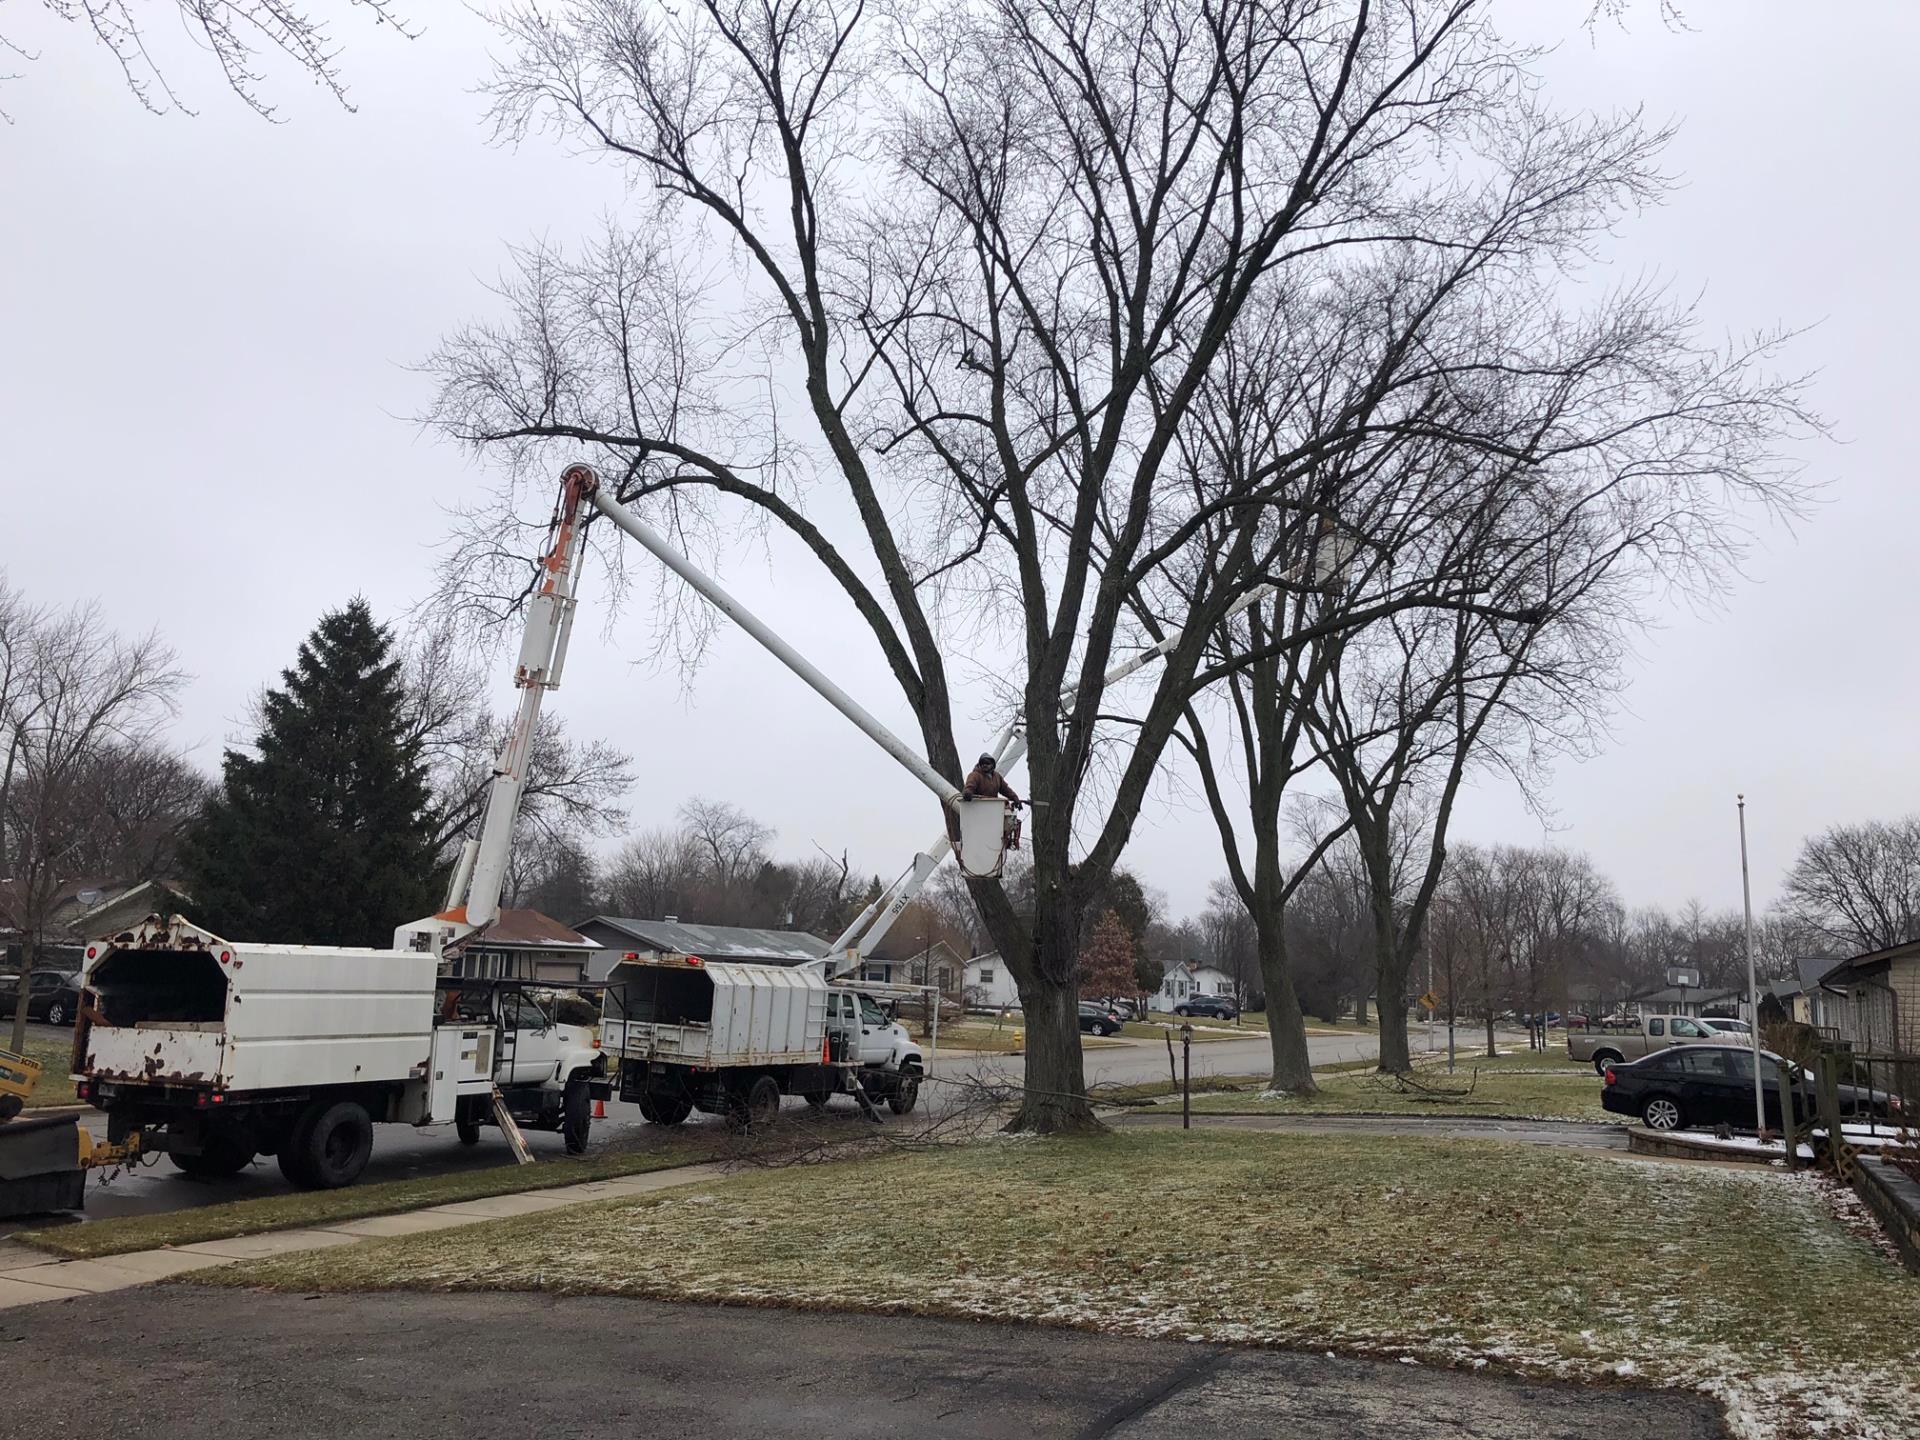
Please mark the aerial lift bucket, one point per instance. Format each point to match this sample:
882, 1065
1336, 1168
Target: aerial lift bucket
982, 847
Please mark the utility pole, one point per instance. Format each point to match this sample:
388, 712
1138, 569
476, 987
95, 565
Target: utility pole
1753, 988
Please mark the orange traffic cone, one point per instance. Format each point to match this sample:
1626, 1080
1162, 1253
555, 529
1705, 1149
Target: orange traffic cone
599, 1109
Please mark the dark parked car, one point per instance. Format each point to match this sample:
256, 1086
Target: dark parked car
54, 996
1713, 1085
1100, 1019
1218, 1006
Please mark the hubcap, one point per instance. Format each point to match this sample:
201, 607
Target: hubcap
1663, 1115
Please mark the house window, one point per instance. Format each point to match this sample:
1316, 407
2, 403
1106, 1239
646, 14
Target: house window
986, 975
943, 977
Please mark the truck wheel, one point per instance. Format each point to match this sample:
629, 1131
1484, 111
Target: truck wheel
758, 1108
1604, 1058
331, 1148
467, 1130
906, 1094
1662, 1112
665, 1109
220, 1157
576, 1115
816, 1099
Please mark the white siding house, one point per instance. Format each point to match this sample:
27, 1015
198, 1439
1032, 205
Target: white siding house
1189, 978
989, 984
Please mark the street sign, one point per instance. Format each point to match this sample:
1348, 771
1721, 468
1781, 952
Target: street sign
1430, 1000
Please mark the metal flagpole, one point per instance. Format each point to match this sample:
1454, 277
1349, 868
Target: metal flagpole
1753, 988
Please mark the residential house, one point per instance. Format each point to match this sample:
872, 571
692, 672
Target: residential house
1688, 1000
526, 945
1189, 979
623, 938
936, 964
1873, 1000
987, 984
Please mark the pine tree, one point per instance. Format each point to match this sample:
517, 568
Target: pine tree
323, 835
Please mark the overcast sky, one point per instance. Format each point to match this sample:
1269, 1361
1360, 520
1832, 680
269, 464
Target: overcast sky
207, 325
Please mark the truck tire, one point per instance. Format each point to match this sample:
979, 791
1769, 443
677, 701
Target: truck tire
817, 1099
576, 1117
1604, 1058
758, 1108
665, 1109
221, 1156
467, 1130
906, 1092
330, 1146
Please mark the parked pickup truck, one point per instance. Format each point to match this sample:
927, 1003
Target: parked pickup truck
732, 1037
216, 1051
1607, 1047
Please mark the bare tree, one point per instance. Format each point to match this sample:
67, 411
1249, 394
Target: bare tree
574, 789
141, 798
236, 33
654, 874
1858, 886
1000, 249
85, 691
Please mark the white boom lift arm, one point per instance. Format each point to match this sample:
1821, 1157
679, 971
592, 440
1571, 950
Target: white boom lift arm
473, 894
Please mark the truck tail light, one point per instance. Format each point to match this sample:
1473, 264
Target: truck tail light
1609, 1075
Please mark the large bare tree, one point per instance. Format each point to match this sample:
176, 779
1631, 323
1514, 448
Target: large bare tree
1858, 886
238, 34
84, 694
937, 291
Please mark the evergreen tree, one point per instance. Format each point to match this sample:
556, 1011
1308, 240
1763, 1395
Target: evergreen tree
324, 835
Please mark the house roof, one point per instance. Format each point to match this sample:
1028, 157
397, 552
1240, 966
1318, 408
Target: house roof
530, 930
1871, 961
717, 942
1811, 969
1693, 994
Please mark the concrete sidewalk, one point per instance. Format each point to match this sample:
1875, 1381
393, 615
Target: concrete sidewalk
28, 1278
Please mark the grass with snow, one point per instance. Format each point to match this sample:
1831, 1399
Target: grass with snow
1743, 1285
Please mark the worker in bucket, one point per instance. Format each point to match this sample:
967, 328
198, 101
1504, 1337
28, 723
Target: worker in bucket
984, 782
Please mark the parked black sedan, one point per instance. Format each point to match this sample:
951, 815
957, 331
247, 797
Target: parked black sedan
1706, 1085
1218, 1006
53, 996
1100, 1019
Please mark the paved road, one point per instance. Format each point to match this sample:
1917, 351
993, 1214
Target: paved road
226, 1365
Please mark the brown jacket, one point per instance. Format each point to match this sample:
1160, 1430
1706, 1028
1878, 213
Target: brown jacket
988, 783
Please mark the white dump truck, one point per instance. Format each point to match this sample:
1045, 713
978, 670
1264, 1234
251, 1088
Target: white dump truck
215, 1051
732, 1037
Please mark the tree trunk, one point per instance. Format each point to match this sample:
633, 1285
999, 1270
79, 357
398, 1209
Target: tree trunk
1360, 1008
1286, 1026
1392, 1008
29, 957
1054, 1100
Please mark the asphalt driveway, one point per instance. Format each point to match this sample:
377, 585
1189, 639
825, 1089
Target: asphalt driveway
175, 1360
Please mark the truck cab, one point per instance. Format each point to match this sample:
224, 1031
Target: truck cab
871, 1035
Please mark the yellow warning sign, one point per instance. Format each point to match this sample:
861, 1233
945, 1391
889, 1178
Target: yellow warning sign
1430, 1000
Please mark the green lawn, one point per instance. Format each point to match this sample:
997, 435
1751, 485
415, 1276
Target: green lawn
55, 1054
1741, 1284
356, 1202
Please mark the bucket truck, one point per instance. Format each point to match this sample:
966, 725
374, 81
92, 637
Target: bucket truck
216, 1051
